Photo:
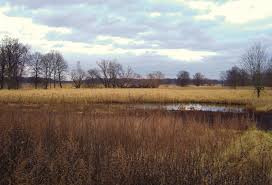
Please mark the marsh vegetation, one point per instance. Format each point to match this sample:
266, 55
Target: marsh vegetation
64, 144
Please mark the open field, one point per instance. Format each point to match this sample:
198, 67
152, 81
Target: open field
241, 96
81, 136
61, 145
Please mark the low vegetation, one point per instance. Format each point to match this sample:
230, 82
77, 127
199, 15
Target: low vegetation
242, 96
62, 145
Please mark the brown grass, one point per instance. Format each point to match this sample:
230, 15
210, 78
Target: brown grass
64, 145
242, 96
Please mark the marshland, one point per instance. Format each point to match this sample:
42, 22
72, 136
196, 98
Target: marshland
171, 97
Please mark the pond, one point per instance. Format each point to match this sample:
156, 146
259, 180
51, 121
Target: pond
192, 107
263, 120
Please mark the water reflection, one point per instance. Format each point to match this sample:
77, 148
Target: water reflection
192, 107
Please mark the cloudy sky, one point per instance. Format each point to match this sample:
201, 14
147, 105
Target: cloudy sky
167, 35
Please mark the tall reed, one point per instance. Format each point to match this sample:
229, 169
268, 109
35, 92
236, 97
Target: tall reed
62, 145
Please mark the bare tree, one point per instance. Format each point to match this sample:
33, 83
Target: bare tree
61, 68
233, 77
254, 62
198, 79
223, 77
47, 68
112, 74
183, 78
154, 79
103, 66
126, 77
14, 56
2, 66
35, 66
268, 73
93, 76
78, 76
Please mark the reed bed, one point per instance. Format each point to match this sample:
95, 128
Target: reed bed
64, 145
162, 95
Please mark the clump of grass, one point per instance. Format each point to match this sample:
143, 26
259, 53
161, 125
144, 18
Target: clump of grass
62, 145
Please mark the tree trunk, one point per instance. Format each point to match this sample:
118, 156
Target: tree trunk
60, 81
258, 92
36, 80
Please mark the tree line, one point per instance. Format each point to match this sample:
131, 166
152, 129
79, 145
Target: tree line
17, 61
49, 70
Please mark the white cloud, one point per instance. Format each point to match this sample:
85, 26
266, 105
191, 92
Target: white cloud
155, 14
237, 12
119, 40
176, 54
186, 55
26, 30
35, 34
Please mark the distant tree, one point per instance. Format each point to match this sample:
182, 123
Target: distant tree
126, 77
183, 78
244, 78
233, 77
14, 56
3, 64
198, 79
61, 68
35, 67
254, 62
78, 76
112, 74
103, 67
47, 65
92, 77
223, 77
268, 74
154, 79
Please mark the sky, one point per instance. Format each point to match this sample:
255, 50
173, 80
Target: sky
148, 35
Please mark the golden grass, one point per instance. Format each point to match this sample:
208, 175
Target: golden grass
242, 96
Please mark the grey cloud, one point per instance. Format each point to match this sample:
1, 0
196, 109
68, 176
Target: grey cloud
174, 29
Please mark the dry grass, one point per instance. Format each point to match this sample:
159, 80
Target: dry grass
243, 96
60, 145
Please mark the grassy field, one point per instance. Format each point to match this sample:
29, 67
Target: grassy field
241, 96
64, 146
51, 137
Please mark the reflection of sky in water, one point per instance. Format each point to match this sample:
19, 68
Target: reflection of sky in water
193, 107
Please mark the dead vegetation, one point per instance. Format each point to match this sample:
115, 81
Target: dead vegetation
64, 145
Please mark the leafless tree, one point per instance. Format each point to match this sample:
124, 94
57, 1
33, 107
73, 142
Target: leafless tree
2, 65
14, 56
223, 77
198, 79
154, 79
47, 66
60, 68
35, 67
233, 77
126, 77
103, 67
114, 72
254, 62
183, 78
78, 76
93, 76
268, 74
